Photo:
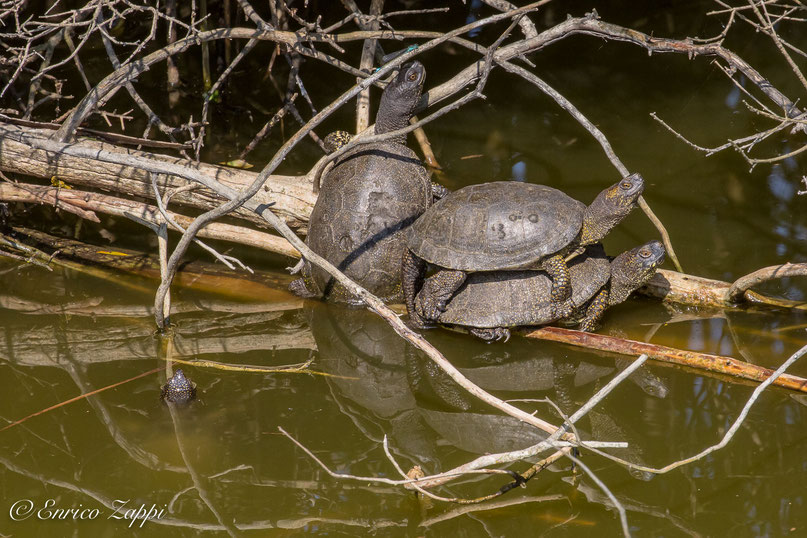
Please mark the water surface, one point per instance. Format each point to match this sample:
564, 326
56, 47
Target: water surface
222, 467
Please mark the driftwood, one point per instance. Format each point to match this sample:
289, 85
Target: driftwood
292, 197
244, 197
675, 287
740, 289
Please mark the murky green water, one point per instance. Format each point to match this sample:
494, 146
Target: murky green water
221, 466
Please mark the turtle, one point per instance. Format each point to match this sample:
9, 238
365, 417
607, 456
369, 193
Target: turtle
368, 198
490, 302
505, 225
338, 139
179, 389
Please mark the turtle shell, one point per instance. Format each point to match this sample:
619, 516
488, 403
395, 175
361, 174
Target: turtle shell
498, 225
369, 198
513, 298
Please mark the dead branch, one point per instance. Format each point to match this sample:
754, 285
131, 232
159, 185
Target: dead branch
735, 426
489, 460
698, 291
740, 286
77, 398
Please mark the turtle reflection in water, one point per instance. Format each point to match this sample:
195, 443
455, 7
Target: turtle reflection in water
179, 390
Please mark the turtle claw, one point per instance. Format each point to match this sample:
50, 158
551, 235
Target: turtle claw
500, 333
418, 323
503, 333
491, 334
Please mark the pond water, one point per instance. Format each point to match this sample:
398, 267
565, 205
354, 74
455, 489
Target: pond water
221, 466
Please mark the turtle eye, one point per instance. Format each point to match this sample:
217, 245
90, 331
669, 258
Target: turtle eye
413, 76
644, 253
626, 184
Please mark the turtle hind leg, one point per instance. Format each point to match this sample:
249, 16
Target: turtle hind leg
558, 271
438, 191
412, 269
595, 311
436, 292
491, 334
305, 286
299, 288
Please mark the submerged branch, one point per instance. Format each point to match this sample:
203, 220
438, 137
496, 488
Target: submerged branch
701, 361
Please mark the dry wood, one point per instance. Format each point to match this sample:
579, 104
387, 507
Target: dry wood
21, 152
209, 277
687, 289
741, 286
681, 288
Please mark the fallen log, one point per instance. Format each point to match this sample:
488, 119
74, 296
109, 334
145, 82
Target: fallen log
30, 151
676, 287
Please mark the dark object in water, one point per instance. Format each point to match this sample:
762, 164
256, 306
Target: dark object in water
179, 389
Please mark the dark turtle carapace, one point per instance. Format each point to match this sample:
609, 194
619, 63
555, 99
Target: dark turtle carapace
490, 302
373, 193
504, 226
179, 389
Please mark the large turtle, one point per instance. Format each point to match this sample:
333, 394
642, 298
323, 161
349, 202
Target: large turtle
490, 302
505, 225
370, 196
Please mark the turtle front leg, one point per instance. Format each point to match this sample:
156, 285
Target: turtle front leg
436, 291
595, 311
412, 269
558, 271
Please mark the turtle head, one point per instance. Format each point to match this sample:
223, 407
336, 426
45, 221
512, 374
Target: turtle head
178, 380
632, 269
400, 98
609, 207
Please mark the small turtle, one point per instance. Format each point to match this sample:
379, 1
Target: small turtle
490, 302
179, 389
505, 225
368, 198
